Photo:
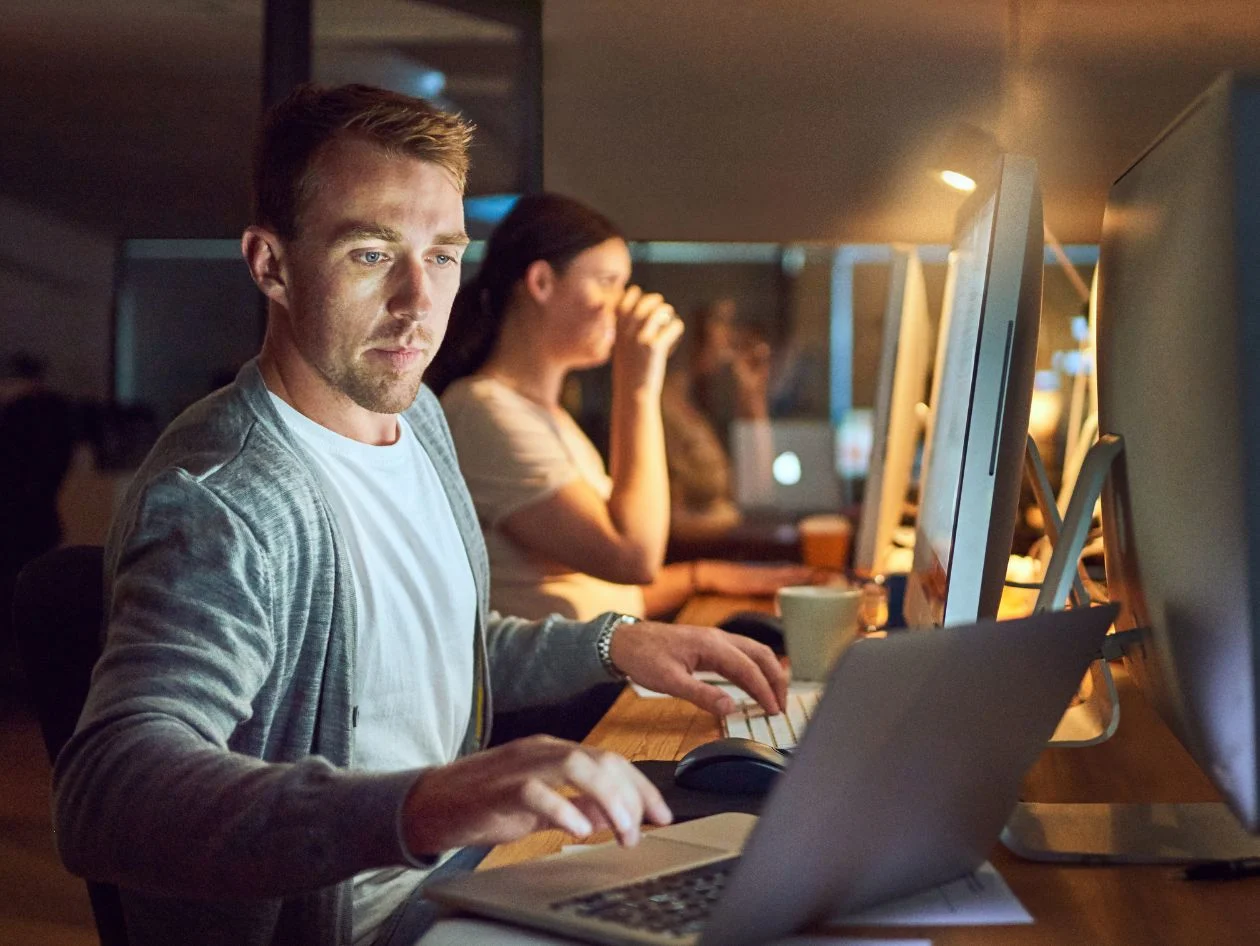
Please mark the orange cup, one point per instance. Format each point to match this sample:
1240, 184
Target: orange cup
825, 541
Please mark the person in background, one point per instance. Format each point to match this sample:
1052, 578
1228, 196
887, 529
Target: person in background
566, 535
37, 438
724, 376
286, 734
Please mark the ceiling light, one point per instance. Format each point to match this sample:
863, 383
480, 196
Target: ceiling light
958, 181
963, 155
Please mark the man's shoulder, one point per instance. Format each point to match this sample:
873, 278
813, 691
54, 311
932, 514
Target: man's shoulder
218, 432
220, 472
223, 444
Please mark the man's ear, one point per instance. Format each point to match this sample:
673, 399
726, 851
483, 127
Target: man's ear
264, 255
540, 280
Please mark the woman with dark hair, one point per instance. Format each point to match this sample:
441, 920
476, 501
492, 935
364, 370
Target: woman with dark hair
564, 534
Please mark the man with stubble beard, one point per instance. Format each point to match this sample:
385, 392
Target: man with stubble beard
285, 734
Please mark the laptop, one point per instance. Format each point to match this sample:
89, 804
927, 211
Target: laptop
785, 465
911, 764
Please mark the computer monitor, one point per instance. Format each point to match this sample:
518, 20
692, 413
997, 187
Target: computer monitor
1178, 346
981, 395
900, 387
1178, 320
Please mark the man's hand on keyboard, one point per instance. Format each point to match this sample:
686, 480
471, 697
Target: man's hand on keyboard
664, 656
782, 731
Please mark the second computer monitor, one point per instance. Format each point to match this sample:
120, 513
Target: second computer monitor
900, 387
981, 394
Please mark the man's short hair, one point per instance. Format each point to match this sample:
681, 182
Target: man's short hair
295, 130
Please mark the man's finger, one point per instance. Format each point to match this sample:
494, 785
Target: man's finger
654, 806
592, 811
709, 698
606, 779
554, 808
651, 804
769, 663
730, 660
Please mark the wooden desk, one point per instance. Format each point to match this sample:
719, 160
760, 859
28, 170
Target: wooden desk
1092, 906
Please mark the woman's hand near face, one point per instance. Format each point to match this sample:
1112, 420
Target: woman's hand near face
751, 369
638, 508
647, 330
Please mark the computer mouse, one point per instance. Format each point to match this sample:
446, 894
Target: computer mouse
730, 766
761, 627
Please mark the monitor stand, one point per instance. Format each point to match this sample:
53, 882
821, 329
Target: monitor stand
1095, 713
1127, 833
1103, 833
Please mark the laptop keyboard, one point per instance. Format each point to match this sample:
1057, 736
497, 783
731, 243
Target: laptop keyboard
672, 904
783, 731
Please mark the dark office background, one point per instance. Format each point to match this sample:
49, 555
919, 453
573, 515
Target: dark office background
708, 120
805, 122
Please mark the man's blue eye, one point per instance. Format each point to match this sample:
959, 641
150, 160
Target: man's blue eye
373, 256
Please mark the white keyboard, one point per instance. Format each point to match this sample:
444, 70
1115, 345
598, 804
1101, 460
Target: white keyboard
782, 731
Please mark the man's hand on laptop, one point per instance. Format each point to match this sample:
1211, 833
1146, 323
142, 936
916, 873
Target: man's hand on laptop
664, 657
528, 785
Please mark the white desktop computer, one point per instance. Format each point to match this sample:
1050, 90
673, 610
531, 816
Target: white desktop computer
1178, 391
981, 395
900, 388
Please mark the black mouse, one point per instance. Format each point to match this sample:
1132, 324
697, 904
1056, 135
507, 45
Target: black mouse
730, 766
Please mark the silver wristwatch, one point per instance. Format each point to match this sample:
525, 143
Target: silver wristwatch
603, 643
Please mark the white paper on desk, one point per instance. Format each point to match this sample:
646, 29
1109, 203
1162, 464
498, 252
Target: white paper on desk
846, 941
461, 932
979, 899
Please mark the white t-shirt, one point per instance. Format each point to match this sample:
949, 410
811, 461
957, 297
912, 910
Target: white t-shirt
416, 608
514, 453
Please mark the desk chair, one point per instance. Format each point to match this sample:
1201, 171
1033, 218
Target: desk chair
57, 615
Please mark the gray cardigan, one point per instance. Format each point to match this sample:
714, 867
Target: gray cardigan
208, 775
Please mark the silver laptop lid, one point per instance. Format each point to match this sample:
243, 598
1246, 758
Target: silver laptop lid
908, 770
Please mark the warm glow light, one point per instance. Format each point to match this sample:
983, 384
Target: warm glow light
958, 181
786, 468
1043, 415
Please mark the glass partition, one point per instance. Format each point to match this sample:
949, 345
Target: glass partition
815, 310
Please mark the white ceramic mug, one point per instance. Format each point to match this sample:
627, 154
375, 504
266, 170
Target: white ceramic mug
819, 622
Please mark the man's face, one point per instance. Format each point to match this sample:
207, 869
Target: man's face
372, 271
